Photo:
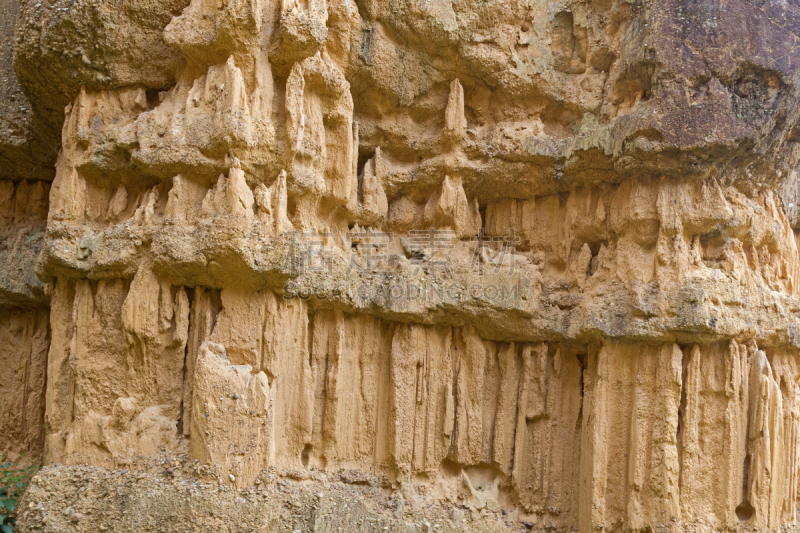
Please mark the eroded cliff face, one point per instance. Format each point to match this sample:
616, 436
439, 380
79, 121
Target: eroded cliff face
530, 256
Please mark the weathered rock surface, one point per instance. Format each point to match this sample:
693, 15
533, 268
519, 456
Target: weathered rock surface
179, 496
535, 257
25, 340
27, 149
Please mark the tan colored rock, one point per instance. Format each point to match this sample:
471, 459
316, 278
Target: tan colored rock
455, 123
530, 261
25, 336
451, 209
226, 397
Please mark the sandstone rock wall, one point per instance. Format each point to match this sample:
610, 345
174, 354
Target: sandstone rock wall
25, 341
533, 255
24, 319
703, 433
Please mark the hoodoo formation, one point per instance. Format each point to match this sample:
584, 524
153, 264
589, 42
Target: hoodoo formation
408, 265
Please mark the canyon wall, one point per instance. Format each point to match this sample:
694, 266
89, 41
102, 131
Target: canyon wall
536, 260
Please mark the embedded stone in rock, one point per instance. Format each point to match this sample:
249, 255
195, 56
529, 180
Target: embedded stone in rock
236, 436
